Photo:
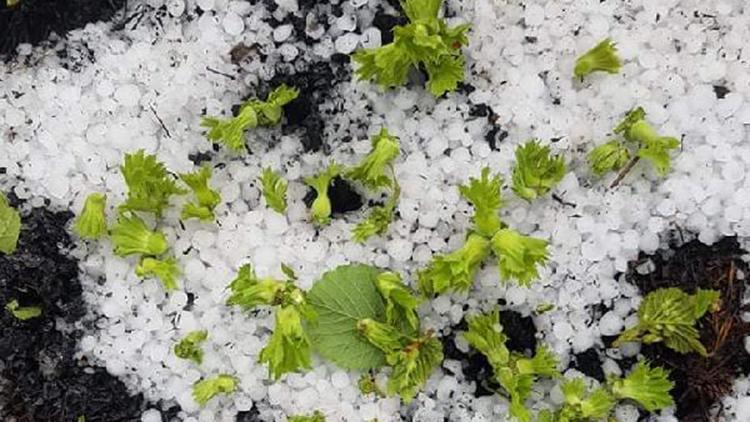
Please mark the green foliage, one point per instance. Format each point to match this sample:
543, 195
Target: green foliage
484, 195
274, 190
289, 349
649, 387
607, 157
652, 147
320, 210
454, 271
519, 255
130, 235
670, 316
603, 57
254, 113
380, 217
367, 385
514, 372
190, 346
371, 171
10, 226
400, 302
426, 41
536, 171
22, 313
317, 416
92, 222
632, 117
207, 198
341, 298
206, 389
581, 405
149, 183
166, 270
249, 291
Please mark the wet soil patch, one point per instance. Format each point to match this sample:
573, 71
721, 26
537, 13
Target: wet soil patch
32, 21
589, 363
701, 382
40, 379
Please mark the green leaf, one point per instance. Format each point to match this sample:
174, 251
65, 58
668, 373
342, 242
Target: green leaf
166, 270
372, 170
274, 190
289, 349
149, 183
445, 74
206, 389
10, 226
454, 271
130, 235
22, 313
537, 171
249, 291
207, 198
648, 386
602, 58
190, 346
341, 298
400, 302
632, 117
519, 255
421, 9
656, 151
484, 195
380, 217
92, 222
315, 417
320, 210
413, 365
486, 335
607, 157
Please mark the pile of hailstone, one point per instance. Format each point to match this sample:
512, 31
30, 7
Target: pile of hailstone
68, 122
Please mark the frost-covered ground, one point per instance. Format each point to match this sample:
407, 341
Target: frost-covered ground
68, 119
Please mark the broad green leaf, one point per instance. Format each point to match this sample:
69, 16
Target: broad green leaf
10, 226
341, 298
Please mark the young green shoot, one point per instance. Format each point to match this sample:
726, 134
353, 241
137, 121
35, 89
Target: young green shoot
484, 195
582, 405
602, 58
22, 313
149, 183
205, 390
320, 210
190, 346
400, 303
519, 255
317, 416
254, 113
206, 198
610, 156
10, 226
426, 41
379, 218
130, 236
649, 387
92, 222
536, 171
454, 271
670, 315
413, 359
373, 170
166, 270
274, 190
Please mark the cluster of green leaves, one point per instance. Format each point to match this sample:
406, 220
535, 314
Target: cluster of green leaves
648, 387
206, 389
91, 223
514, 372
22, 313
274, 190
601, 58
641, 141
536, 171
425, 42
206, 198
149, 183
518, 255
670, 315
288, 349
375, 173
317, 416
367, 319
10, 226
254, 113
190, 347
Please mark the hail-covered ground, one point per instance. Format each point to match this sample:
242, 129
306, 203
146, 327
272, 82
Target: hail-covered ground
69, 113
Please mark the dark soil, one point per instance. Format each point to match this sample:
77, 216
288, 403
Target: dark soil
32, 21
344, 197
40, 380
251, 415
589, 363
521, 334
700, 382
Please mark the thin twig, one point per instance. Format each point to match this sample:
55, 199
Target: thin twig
161, 122
220, 73
624, 172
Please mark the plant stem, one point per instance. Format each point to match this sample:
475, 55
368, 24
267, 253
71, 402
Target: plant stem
624, 172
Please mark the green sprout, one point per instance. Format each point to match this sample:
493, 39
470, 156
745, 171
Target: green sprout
603, 58
22, 313
207, 198
92, 222
611, 156
454, 271
484, 195
190, 347
274, 190
426, 41
252, 114
519, 255
317, 416
130, 235
166, 270
10, 226
206, 389
537, 171
371, 171
149, 183
400, 304
321, 206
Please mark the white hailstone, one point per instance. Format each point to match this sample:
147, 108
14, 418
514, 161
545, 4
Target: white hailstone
288, 5
176, 7
610, 324
733, 172
128, 95
288, 52
346, 23
441, 304
276, 224
358, 3
346, 43
371, 38
742, 409
649, 242
533, 15
282, 32
340, 380
243, 403
151, 415
562, 330
515, 295
446, 387
233, 24
205, 4
368, 411
400, 249
626, 413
